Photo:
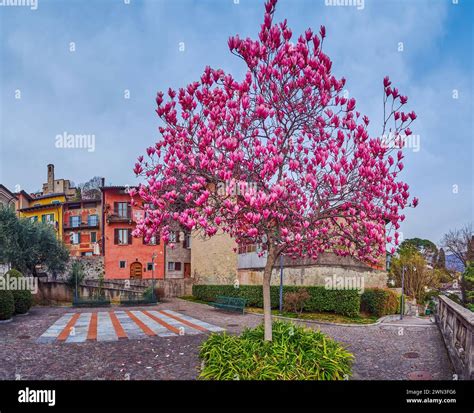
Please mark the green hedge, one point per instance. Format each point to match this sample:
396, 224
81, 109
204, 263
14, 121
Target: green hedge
379, 301
7, 304
295, 353
346, 302
23, 298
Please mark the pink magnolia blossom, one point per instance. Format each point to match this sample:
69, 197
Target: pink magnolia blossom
317, 180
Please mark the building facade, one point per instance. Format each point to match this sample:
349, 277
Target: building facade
178, 255
7, 198
82, 229
127, 257
44, 208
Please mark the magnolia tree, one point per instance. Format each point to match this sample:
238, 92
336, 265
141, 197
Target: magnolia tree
280, 159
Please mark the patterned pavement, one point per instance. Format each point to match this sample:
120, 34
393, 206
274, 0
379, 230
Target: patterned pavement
128, 324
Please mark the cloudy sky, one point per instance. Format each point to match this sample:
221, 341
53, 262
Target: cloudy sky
94, 67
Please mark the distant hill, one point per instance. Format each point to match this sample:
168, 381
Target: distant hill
453, 263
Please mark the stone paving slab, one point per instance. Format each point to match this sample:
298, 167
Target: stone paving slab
136, 324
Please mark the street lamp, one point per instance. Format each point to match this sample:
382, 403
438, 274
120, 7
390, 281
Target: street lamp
402, 305
281, 282
153, 276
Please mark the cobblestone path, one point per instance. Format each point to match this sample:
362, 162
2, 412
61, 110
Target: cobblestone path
390, 350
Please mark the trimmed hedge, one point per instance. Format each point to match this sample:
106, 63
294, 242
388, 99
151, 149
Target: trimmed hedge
346, 302
7, 304
23, 298
379, 301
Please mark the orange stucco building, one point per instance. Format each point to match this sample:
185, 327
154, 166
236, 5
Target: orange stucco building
127, 257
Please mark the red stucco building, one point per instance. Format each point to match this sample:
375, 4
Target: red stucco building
127, 257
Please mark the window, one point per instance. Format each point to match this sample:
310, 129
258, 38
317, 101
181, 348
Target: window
174, 236
187, 241
49, 218
154, 240
93, 236
122, 264
87, 254
149, 266
75, 221
122, 209
174, 266
75, 237
34, 218
55, 202
122, 236
93, 220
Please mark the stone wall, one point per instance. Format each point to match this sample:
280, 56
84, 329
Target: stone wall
316, 275
457, 326
213, 260
93, 267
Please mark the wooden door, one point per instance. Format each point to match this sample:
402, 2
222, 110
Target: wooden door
136, 270
187, 270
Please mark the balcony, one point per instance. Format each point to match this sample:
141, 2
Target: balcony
111, 219
81, 225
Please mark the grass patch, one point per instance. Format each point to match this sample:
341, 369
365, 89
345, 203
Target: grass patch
193, 299
362, 318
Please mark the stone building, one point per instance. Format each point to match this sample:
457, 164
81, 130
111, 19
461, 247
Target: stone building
55, 186
7, 198
217, 260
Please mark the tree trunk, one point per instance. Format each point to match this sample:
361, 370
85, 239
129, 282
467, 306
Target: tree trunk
267, 308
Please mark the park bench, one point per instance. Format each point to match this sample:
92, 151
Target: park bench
138, 301
229, 303
90, 302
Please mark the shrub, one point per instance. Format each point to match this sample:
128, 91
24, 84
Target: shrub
295, 301
22, 298
7, 304
346, 302
379, 301
296, 353
76, 275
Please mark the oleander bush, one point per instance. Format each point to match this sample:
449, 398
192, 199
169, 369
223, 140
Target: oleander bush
296, 353
345, 302
296, 301
23, 299
379, 301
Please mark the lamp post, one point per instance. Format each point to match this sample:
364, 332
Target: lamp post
281, 283
153, 276
402, 305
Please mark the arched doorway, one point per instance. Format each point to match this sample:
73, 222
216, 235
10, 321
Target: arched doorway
136, 270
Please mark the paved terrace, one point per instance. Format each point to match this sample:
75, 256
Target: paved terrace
30, 348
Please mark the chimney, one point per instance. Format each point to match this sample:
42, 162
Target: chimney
50, 178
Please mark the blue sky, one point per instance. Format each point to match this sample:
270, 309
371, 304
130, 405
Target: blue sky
135, 47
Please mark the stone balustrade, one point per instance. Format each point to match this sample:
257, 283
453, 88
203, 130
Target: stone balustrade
457, 326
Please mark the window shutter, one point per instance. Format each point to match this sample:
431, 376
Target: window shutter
129, 210
115, 208
177, 266
130, 236
78, 237
116, 236
177, 236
